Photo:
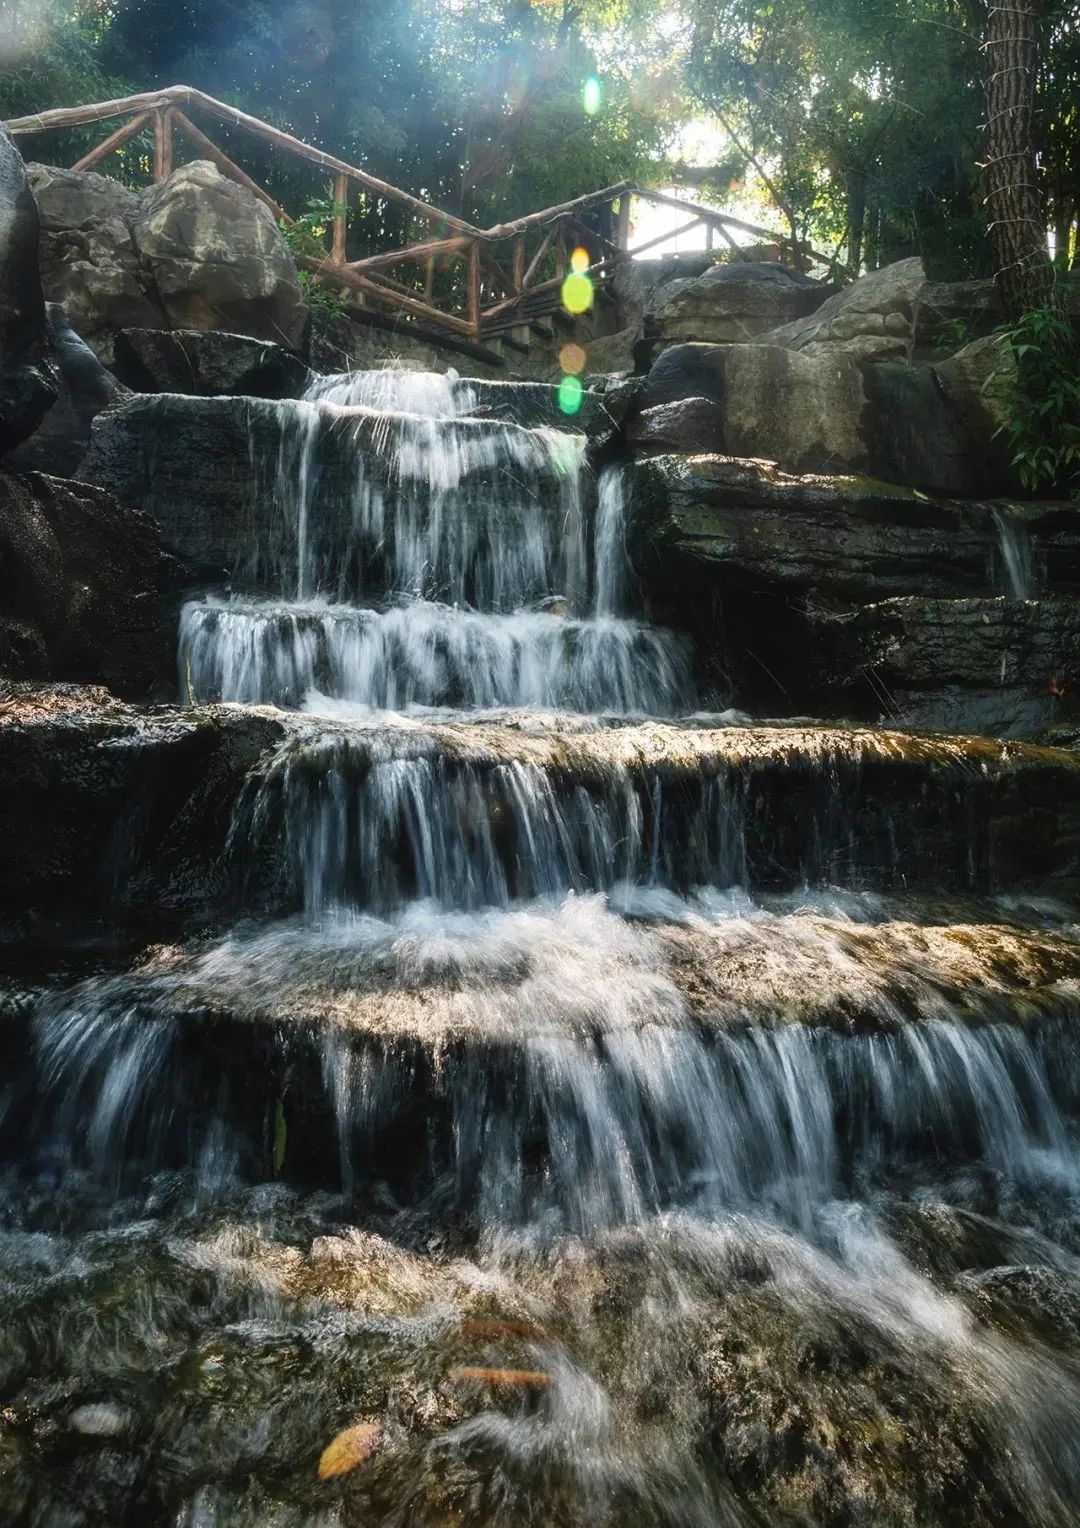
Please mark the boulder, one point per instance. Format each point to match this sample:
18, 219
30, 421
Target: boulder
207, 363
804, 412
935, 426
28, 385
196, 252
86, 387
929, 427
85, 589
731, 304
216, 258
89, 260
222, 477
872, 320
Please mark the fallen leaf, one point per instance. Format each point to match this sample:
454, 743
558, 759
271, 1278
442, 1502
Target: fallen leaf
349, 1449
522, 1378
476, 1328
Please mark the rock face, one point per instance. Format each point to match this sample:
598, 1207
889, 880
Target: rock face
1001, 666
846, 595
97, 794
86, 387
207, 364
84, 588
27, 382
733, 303
138, 804
216, 258
872, 320
196, 252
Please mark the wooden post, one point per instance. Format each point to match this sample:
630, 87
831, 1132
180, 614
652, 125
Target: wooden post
210, 150
474, 289
560, 251
113, 141
429, 278
341, 197
622, 222
162, 146
517, 276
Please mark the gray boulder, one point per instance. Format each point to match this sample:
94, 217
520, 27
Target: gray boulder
804, 412
216, 258
732, 304
84, 588
28, 385
89, 260
196, 252
207, 364
872, 320
930, 427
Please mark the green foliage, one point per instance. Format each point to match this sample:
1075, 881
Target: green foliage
306, 235
1041, 422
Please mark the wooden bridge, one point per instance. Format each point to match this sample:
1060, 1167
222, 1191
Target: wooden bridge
456, 279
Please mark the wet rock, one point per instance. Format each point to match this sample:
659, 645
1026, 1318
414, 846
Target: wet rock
208, 364
86, 388
1002, 666
846, 537
89, 260
86, 593
222, 477
872, 320
96, 792
216, 258
28, 385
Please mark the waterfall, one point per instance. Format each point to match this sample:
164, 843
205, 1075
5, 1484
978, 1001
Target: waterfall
592, 1111
442, 559
1015, 547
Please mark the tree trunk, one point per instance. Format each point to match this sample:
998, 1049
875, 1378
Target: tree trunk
1014, 205
856, 219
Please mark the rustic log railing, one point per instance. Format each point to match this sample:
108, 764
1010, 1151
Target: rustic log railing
499, 295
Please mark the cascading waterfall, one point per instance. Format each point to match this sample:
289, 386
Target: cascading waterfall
592, 1129
471, 536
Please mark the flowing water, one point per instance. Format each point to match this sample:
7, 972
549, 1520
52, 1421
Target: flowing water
611, 1141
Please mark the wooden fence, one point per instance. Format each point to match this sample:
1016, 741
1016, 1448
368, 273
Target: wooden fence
491, 281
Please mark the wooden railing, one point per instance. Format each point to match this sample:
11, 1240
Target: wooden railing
512, 273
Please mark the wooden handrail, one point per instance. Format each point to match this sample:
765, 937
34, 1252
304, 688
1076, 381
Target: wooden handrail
114, 141
186, 95
161, 109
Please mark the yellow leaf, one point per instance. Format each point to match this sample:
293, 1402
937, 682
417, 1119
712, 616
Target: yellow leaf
349, 1449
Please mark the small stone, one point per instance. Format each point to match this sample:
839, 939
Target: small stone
100, 1419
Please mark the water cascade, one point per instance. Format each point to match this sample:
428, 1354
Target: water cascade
634, 1119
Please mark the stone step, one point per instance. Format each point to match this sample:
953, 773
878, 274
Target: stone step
173, 816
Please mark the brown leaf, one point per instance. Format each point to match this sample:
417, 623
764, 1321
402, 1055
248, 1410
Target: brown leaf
522, 1378
349, 1449
477, 1328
